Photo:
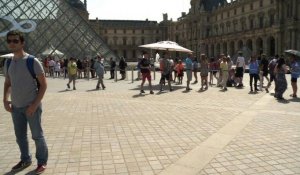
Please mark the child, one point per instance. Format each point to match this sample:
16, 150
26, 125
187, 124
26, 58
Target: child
179, 68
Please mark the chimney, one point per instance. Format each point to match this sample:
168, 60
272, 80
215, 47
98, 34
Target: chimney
165, 16
85, 4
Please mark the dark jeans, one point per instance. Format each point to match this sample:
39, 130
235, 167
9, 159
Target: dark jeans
92, 73
112, 73
20, 120
255, 77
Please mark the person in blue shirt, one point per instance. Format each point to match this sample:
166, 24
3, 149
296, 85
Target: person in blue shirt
189, 69
295, 73
253, 72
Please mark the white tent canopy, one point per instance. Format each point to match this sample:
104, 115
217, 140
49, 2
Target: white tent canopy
52, 51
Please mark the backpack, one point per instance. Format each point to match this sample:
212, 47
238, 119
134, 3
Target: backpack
166, 66
272, 65
29, 64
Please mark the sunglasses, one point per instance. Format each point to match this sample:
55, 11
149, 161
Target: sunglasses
15, 41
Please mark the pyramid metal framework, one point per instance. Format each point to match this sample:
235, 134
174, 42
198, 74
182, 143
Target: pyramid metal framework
51, 24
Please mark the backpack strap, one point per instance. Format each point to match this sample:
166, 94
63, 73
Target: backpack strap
30, 64
8, 61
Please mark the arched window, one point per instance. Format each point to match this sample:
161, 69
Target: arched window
243, 23
251, 22
124, 41
228, 24
235, 24
222, 28
272, 13
261, 20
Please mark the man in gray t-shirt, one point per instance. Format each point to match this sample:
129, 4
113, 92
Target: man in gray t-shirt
25, 104
165, 66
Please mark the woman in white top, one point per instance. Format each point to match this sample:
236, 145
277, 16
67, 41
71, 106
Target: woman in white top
57, 68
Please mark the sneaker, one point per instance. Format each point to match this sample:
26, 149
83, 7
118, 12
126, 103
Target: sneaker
21, 165
151, 92
40, 169
280, 98
74, 88
142, 91
68, 86
97, 87
267, 90
103, 87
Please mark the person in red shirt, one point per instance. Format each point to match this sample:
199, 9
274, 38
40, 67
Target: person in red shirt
179, 68
146, 72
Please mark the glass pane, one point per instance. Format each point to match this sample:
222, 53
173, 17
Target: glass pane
51, 24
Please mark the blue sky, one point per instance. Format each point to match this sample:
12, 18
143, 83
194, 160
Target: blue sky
137, 9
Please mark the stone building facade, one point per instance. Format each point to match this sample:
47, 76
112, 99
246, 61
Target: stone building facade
213, 27
262, 26
124, 36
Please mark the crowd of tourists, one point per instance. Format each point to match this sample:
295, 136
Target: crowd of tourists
73, 69
223, 70
226, 73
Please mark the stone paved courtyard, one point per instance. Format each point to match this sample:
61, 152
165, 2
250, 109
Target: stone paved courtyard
117, 131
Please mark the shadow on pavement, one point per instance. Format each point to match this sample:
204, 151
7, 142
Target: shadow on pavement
294, 100
202, 90
141, 95
91, 90
11, 173
32, 172
283, 101
66, 90
157, 88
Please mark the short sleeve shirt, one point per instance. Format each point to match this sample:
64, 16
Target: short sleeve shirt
72, 68
23, 86
188, 64
224, 66
166, 66
295, 69
240, 62
145, 63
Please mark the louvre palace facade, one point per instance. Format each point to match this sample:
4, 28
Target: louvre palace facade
210, 27
262, 26
213, 27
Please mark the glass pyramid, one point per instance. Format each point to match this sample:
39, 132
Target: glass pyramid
52, 25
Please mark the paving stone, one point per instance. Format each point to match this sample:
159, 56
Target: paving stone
118, 131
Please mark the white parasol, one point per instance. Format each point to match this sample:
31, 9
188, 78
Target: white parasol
166, 45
